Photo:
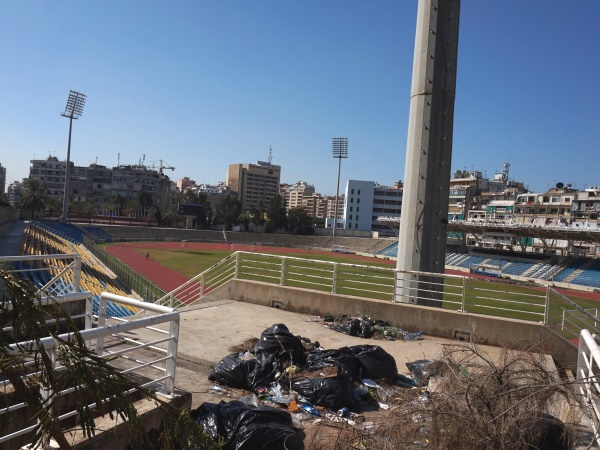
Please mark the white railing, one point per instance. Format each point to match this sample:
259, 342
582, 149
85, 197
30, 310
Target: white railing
118, 331
459, 293
501, 298
203, 283
61, 270
588, 370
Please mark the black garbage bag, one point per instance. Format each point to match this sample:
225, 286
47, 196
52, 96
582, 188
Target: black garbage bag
333, 392
546, 432
263, 373
247, 427
233, 372
238, 373
375, 362
364, 328
277, 341
343, 357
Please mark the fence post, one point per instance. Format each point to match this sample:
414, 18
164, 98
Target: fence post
395, 283
77, 274
547, 305
282, 277
464, 295
237, 265
334, 279
101, 322
201, 286
170, 363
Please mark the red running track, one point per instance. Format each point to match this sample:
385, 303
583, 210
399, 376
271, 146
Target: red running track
165, 278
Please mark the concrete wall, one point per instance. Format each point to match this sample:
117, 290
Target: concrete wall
432, 321
8, 215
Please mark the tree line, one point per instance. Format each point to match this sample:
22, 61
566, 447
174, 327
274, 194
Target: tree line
224, 210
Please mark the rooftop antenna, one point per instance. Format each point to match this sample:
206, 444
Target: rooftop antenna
119, 159
270, 154
505, 171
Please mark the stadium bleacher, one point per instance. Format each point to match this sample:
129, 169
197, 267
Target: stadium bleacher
43, 238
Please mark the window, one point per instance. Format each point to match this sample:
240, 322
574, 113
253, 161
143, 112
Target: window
355, 226
352, 191
351, 199
357, 208
358, 200
359, 192
351, 209
357, 218
350, 218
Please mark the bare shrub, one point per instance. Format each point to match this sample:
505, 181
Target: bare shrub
479, 402
472, 402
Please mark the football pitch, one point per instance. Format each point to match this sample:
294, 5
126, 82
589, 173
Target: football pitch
481, 296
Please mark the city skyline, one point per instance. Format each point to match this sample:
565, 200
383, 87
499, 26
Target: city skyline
201, 85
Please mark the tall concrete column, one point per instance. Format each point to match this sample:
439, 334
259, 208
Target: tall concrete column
422, 241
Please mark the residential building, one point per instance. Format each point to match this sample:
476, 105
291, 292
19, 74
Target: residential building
585, 209
358, 207
254, 182
551, 208
98, 182
315, 205
294, 193
14, 194
2, 179
369, 206
185, 183
387, 208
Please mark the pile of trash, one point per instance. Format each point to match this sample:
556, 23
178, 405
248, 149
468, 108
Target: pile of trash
292, 380
364, 327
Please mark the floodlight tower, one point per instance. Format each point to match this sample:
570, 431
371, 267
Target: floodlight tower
73, 110
423, 228
339, 148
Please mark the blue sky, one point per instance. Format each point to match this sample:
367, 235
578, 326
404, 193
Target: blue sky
202, 84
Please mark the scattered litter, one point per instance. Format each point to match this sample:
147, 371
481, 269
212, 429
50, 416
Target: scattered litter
217, 389
294, 376
310, 409
369, 383
364, 327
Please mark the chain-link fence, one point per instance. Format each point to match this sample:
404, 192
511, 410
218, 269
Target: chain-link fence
125, 274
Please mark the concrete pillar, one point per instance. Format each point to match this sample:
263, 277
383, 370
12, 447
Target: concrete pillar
423, 225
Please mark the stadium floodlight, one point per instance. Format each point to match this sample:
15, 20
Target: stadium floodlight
73, 110
339, 149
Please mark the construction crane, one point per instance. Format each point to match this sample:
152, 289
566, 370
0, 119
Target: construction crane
161, 167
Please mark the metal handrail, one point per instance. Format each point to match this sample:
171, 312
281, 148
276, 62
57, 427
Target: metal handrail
104, 330
588, 364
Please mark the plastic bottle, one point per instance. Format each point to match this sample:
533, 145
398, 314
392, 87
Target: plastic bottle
310, 409
278, 396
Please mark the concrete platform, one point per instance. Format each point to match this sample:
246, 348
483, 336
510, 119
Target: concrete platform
208, 330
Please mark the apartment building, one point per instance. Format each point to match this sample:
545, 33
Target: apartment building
51, 173
14, 194
2, 179
545, 209
254, 182
294, 194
